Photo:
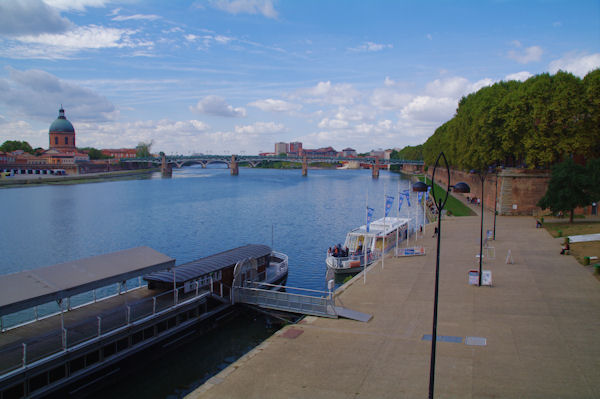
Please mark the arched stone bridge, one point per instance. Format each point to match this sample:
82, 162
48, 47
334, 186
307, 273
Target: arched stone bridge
232, 161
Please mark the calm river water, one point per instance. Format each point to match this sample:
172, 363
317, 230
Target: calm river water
196, 213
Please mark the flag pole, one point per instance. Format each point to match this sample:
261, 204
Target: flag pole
397, 217
409, 219
384, 219
365, 239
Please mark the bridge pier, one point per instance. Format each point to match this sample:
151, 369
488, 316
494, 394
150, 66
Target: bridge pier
304, 166
165, 168
234, 166
375, 169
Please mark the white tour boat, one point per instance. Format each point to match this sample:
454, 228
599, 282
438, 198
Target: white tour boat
362, 246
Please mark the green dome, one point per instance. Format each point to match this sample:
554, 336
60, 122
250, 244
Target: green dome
61, 124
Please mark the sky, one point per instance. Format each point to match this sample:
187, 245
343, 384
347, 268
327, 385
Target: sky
237, 76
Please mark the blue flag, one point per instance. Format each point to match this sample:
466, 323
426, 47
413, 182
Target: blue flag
420, 196
400, 201
369, 217
389, 201
407, 194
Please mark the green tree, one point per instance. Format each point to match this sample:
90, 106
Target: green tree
569, 188
142, 150
14, 145
593, 177
94, 153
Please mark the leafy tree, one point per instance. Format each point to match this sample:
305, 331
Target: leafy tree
409, 152
593, 176
142, 150
535, 123
94, 153
14, 145
569, 188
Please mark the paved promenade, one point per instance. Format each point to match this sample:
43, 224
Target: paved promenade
541, 322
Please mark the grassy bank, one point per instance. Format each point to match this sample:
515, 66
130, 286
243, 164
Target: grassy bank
578, 249
454, 206
572, 229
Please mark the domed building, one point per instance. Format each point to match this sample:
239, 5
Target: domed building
62, 134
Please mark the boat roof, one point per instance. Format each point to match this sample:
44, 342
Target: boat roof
30, 288
377, 227
193, 270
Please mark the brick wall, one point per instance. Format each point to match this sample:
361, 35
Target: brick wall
519, 190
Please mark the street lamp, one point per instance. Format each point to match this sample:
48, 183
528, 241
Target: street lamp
482, 175
439, 204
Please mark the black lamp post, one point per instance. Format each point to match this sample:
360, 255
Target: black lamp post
439, 204
495, 205
482, 176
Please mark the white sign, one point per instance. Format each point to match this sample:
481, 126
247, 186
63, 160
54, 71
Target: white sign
515, 207
486, 277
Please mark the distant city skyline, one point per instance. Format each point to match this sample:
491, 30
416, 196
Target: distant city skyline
236, 76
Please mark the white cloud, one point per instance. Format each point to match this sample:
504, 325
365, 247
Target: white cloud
356, 113
454, 87
78, 5
389, 99
577, 64
520, 76
430, 109
326, 93
261, 128
136, 17
370, 47
272, 105
35, 138
332, 124
84, 37
168, 135
215, 105
527, 55
37, 95
30, 17
263, 7
64, 45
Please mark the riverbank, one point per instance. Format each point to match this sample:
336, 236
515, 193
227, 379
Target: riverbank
29, 180
531, 334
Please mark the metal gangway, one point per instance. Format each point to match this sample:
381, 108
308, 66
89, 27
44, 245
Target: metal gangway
305, 302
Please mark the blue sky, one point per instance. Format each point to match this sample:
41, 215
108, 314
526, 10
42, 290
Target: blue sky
236, 76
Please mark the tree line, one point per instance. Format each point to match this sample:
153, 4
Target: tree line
143, 149
535, 124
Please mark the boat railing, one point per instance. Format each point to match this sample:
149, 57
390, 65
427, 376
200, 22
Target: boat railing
72, 303
19, 355
337, 261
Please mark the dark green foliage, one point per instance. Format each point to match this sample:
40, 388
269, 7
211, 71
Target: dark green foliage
14, 145
535, 123
570, 187
94, 153
142, 150
409, 153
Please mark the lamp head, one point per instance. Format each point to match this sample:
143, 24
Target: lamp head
419, 187
461, 188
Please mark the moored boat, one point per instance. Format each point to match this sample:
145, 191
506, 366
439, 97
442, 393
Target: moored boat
363, 247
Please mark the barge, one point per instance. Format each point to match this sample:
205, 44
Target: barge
89, 314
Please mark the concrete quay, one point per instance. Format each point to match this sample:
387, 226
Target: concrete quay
540, 321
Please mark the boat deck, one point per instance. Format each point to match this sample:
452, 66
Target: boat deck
44, 337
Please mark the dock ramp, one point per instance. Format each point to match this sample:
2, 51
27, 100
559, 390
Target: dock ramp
265, 296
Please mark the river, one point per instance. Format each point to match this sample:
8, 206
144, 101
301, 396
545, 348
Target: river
197, 212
